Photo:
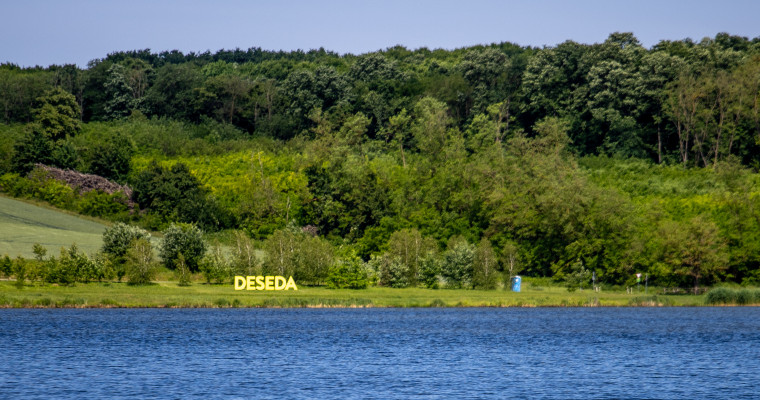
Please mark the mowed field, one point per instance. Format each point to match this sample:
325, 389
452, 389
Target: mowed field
22, 225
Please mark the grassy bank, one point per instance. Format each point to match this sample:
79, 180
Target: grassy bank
169, 294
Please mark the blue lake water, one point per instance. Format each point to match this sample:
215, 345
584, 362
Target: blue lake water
642, 353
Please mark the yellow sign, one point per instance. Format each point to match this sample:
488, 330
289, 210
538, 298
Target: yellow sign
264, 283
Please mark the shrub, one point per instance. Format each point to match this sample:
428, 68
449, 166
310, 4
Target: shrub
118, 238
348, 274
99, 204
430, 271
215, 267
6, 266
56, 193
141, 266
71, 266
390, 271
744, 296
457, 266
182, 271
721, 296
185, 239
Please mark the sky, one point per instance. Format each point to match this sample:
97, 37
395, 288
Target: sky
44, 32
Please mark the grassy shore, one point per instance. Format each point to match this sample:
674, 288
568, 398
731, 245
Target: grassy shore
169, 294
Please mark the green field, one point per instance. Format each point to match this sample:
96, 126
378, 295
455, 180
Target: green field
168, 294
22, 225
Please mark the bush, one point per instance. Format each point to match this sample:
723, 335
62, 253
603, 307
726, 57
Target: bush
185, 239
6, 266
721, 296
71, 266
118, 239
390, 271
99, 204
348, 274
141, 266
745, 296
430, 271
215, 267
457, 265
182, 271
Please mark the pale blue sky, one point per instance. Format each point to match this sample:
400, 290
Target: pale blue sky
43, 32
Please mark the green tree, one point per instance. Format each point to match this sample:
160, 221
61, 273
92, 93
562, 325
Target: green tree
33, 148
112, 158
409, 247
348, 273
185, 239
484, 275
120, 101
118, 238
141, 265
694, 249
58, 114
457, 263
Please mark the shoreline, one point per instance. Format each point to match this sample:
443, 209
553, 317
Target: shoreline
170, 295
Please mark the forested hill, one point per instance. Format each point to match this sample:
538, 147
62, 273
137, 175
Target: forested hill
608, 157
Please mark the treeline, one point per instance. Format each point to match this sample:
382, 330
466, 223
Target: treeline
680, 101
482, 162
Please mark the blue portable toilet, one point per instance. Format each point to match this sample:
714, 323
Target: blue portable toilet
516, 280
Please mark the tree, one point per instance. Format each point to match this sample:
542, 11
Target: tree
141, 266
348, 273
185, 239
430, 126
456, 266
119, 101
511, 259
492, 77
112, 158
391, 272
33, 148
215, 266
409, 247
57, 114
291, 252
118, 239
484, 275
578, 277
694, 249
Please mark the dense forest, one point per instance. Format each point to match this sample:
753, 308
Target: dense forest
429, 166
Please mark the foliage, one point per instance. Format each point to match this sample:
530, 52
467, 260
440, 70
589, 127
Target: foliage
348, 273
578, 277
457, 263
71, 266
293, 252
182, 271
391, 271
57, 114
175, 194
185, 239
141, 265
118, 239
620, 157
214, 266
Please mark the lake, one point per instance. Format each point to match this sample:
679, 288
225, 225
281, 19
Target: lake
565, 353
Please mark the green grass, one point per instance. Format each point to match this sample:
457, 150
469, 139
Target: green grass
23, 224
169, 294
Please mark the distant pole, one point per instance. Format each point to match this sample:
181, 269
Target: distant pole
646, 284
